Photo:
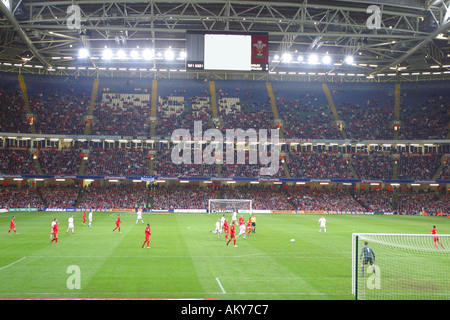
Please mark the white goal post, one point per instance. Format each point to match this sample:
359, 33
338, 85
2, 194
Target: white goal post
230, 205
402, 266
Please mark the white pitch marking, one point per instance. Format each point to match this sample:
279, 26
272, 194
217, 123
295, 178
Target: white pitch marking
12, 263
220, 285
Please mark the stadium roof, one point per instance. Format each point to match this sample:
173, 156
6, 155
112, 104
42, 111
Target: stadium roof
411, 42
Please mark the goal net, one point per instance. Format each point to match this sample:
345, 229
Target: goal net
230, 205
404, 266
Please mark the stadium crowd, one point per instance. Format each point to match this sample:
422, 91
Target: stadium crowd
117, 162
313, 199
181, 197
307, 120
60, 162
164, 166
59, 196
122, 115
12, 112
20, 198
247, 170
445, 173
264, 197
367, 122
193, 196
377, 166
180, 112
261, 117
16, 161
418, 167
303, 115
375, 200
136, 162
427, 119
318, 165
420, 203
114, 196
60, 114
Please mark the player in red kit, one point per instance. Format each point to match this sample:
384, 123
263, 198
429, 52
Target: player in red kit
117, 223
84, 217
241, 220
147, 236
226, 229
12, 225
232, 234
248, 227
55, 232
436, 239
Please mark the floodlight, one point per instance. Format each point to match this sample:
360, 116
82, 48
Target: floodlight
147, 54
286, 57
107, 54
121, 54
83, 53
169, 54
349, 60
313, 59
134, 54
326, 59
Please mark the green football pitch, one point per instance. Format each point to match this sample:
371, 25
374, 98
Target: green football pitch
185, 260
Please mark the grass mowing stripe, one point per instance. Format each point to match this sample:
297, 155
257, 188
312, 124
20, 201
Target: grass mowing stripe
128, 270
108, 257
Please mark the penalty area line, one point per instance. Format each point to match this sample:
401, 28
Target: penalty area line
220, 285
12, 263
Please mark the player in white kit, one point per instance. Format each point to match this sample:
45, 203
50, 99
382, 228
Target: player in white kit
139, 216
233, 216
322, 224
241, 231
222, 221
90, 219
53, 223
218, 229
71, 225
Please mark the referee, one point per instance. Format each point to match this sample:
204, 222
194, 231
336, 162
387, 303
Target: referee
253, 220
368, 256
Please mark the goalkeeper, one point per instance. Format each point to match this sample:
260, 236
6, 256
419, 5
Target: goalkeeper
368, 256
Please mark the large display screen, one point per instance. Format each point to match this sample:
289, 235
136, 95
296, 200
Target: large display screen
227, 51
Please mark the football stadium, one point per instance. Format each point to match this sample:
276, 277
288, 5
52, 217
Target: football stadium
225, 150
